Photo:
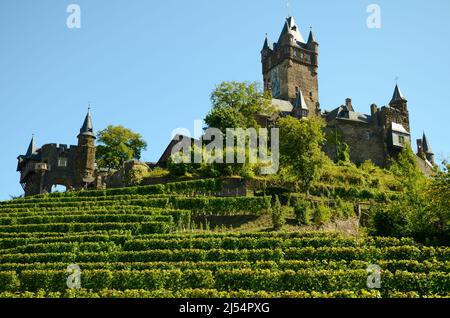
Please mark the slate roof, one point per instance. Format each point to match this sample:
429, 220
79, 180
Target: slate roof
300, 101
398, 96
343, 113
399, 128
425, 145
87, 129
291, 27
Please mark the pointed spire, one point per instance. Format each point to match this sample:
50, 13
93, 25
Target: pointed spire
398, 96
425, 145
300, 101
31, 148
311, 38
267, 43
290, 27
87, 129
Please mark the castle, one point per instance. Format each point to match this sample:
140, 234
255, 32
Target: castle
290, 73
70, 166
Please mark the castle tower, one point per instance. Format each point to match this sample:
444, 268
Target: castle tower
85, 162
291, 65
399, 107
31, 172
424, 150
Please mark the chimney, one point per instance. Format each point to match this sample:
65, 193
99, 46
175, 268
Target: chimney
348, 104
373, 109
419, 147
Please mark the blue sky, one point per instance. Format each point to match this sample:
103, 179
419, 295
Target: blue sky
151, 65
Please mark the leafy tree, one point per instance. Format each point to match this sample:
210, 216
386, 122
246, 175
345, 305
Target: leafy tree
409, 215
118, 145
235, 105
300, 148
438, 213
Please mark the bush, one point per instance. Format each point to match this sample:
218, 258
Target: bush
321, 214
278, 218
344, 209
389, 220
302, 212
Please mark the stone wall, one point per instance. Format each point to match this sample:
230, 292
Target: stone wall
365, 141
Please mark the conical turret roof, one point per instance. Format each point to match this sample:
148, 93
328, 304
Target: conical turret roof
87, 129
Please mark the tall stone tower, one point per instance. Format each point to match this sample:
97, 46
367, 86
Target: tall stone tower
85, 162
399, 108
290, 66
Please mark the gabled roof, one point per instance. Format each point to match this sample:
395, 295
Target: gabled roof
399, 128
300, 101
291, 27
425, 145
398, 96
87, 129
343, 113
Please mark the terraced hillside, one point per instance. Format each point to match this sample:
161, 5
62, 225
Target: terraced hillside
138, 242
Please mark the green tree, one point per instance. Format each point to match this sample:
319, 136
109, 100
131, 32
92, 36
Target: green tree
437, 217
302, 212
408, 214
300, 148
278, 215
236, 105
117, 145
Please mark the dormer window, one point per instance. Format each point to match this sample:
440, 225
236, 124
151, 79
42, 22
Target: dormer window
62, 162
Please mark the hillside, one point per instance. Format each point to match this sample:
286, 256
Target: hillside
148, 242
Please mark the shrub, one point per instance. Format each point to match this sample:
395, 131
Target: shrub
344, 209
302, 212
278, 218
321, 214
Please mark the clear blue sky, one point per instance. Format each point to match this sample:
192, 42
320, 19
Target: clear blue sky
151, 65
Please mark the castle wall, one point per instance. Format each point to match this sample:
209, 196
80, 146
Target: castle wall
365, 141
58, 175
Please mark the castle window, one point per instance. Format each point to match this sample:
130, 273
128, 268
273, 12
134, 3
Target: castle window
62, 162
401, 140
310, 95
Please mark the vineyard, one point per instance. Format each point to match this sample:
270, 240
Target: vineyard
141, 242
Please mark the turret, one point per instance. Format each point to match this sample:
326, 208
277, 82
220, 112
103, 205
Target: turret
398, 109
312, 44
300, 108
398, 100
85, 163
426, 148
